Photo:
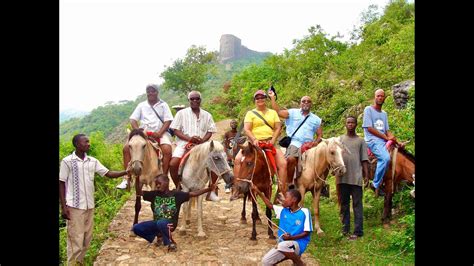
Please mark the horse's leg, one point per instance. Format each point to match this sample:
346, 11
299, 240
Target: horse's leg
268, 213
243, 219
138, 202
201, 233
387, 208
316, 196
126, 160
182, 228
254, 220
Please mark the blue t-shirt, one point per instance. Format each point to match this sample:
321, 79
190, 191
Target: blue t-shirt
374, 119
294, 224
306, 131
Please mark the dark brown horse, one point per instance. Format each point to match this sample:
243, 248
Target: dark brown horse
404, 170
254, 170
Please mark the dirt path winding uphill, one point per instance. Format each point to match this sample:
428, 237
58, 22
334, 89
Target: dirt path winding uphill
227, 242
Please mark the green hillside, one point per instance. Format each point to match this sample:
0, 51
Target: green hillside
112, 119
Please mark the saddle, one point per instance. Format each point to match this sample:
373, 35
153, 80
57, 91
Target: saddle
184, 159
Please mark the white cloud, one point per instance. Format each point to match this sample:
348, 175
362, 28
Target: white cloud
110, 50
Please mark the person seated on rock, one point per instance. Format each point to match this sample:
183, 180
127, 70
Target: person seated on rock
165, 204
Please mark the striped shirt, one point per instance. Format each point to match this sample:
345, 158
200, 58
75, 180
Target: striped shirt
148, 119
78, 176
187, 121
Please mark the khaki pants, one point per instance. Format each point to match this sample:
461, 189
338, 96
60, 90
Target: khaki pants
79, 234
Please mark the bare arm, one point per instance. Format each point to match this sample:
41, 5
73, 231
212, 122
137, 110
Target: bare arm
365, 170
163, 129
319, 137
115, 174
62, 198
287, 236
134, 123
181, 135
206, 137
202, 191
281, 113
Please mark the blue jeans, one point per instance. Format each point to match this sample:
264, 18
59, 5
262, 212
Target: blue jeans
150, 229
383, 158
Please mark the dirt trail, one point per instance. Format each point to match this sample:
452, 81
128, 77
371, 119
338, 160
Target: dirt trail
227, 242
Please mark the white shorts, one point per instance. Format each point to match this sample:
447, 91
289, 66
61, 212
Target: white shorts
165, 138
274, 255
179, 151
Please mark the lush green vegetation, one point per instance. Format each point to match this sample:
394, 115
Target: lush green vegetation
108, 199
341, 79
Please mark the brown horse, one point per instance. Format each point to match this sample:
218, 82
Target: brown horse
404, 170
144, 163
317, 163
254, 170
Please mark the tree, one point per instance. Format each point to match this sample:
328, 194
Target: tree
191, 72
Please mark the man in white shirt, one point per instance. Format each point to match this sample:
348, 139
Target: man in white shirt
191, 125
76, 193
155, 118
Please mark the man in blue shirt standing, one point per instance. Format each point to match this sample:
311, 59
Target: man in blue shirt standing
376, 134
294, 231
311, 126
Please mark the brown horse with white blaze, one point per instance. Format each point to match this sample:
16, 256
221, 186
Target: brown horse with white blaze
317, 163
254, 170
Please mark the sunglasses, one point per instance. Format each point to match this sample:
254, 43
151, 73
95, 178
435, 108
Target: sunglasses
260, 98
195, 99
305, 101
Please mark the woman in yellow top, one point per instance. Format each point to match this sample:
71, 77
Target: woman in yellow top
257, 132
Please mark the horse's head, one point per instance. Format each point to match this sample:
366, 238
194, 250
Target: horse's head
251, 164
137, 144
334, 151
217, 162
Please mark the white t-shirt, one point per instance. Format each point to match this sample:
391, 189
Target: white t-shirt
78, 176
148, 119
187, 121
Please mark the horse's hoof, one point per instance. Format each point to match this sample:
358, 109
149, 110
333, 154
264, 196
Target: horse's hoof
253, 241
271, 237
258, 221
243, 221
386, 225
201, 235
188, 221
132, 234
321, 233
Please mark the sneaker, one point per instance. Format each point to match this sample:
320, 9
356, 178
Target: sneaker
227, 190
212, 196
122, 185
353, 237
172, 247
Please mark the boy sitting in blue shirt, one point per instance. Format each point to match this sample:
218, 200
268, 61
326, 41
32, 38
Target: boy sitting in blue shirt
294, 232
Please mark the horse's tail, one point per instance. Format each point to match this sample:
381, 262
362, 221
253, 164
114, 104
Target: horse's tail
192, 201
338, 192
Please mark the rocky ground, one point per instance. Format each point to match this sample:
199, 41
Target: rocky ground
227, 241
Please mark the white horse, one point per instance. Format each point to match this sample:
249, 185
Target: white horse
317, 162
204, 159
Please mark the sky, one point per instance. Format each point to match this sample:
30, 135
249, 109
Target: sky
111, 49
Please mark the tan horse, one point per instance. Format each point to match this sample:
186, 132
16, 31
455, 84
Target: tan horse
317, 162
144, 164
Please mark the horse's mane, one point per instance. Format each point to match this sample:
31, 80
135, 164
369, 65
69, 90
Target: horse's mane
407, 154
199, 152
136, 132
